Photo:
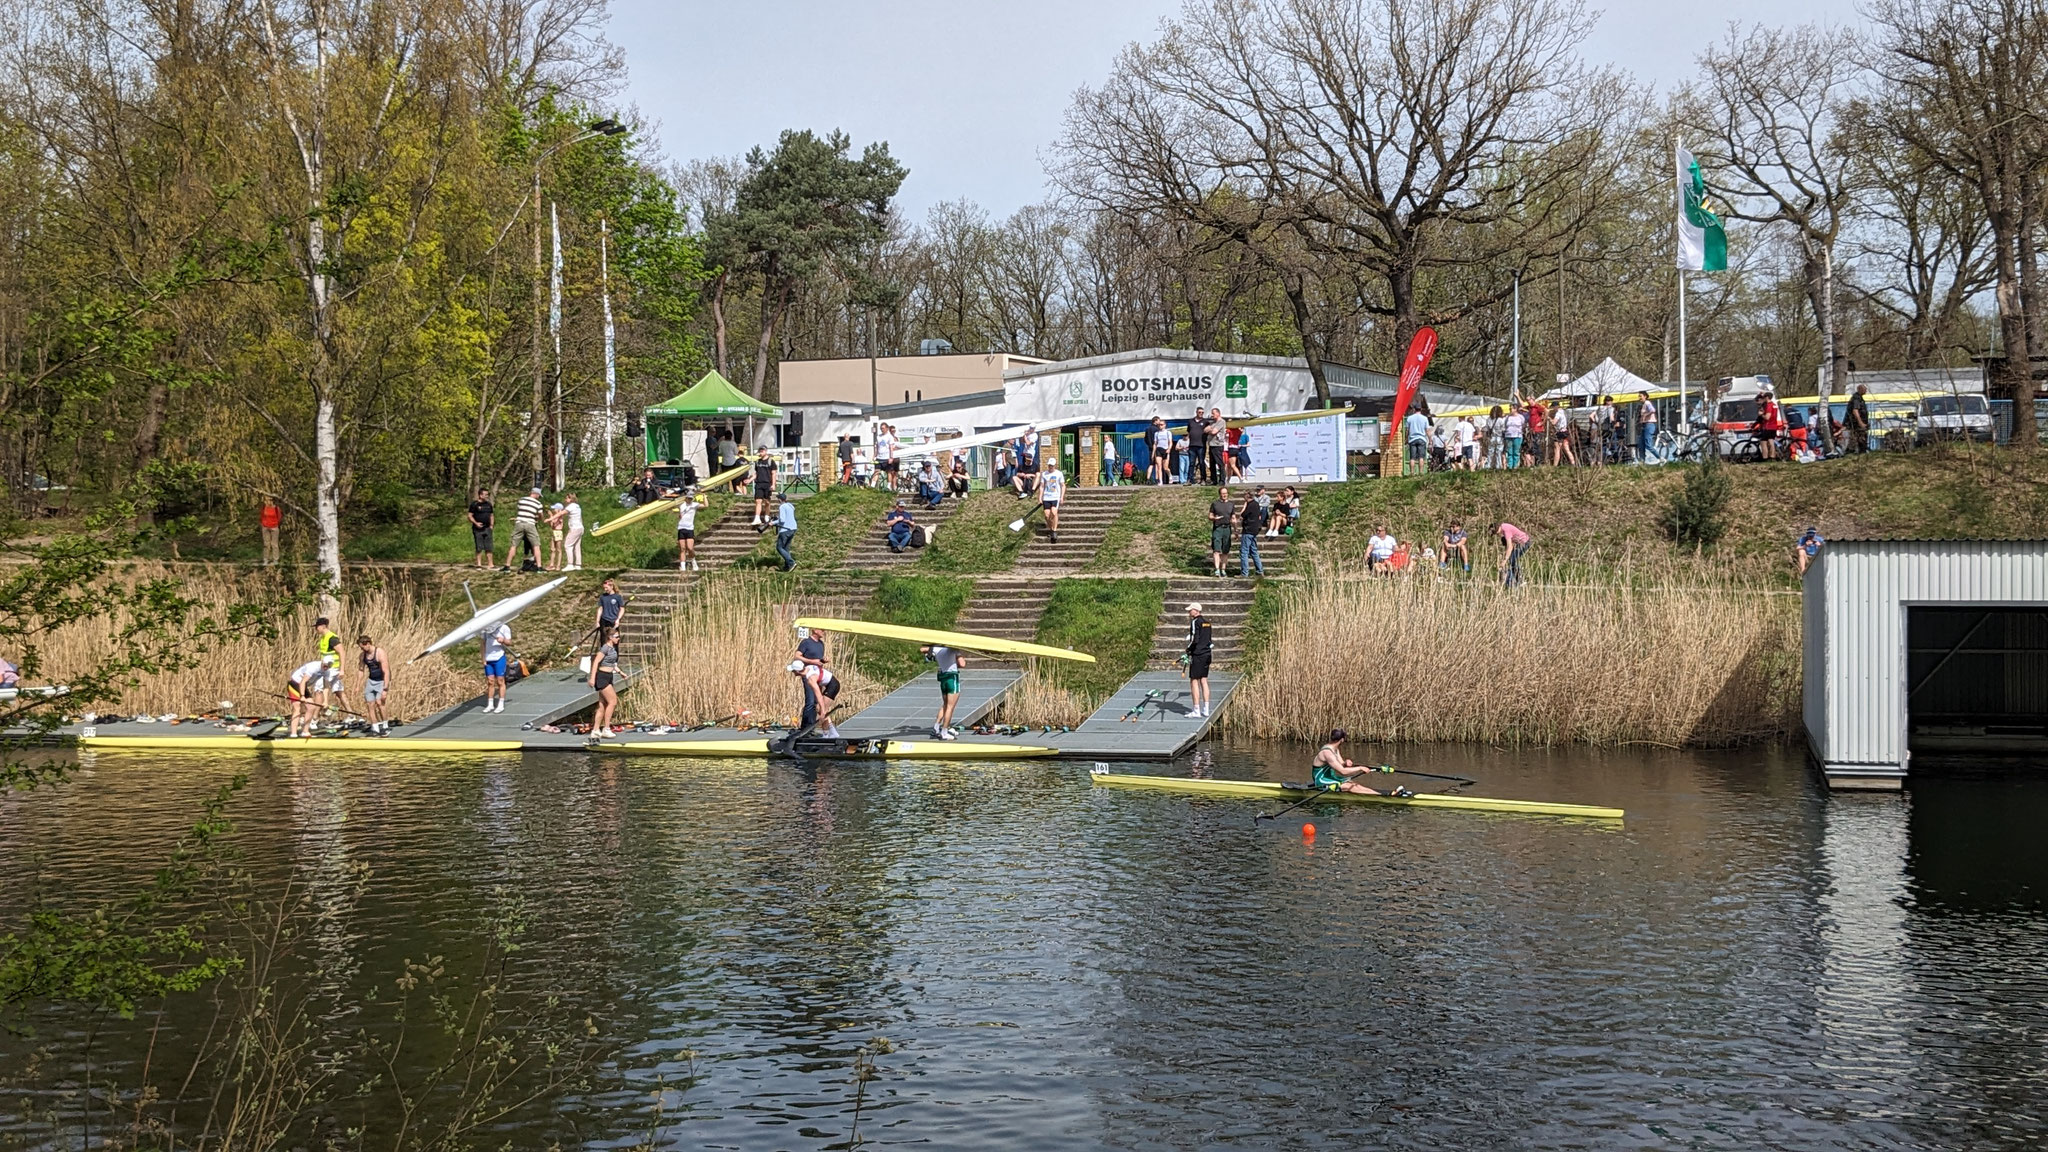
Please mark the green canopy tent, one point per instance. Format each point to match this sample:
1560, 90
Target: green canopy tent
712, 398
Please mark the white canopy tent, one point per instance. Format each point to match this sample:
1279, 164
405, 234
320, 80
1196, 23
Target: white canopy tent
1606, 379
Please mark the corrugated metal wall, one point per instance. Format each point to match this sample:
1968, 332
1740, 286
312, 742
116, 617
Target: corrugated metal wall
1863, 588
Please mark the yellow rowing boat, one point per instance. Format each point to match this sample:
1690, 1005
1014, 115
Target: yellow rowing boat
820, 748
634, 515
1262, 790
170, 743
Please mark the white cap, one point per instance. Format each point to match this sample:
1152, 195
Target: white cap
795, 666
1194, 608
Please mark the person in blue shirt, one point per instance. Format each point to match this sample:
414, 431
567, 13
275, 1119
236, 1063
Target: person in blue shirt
899, 522
1415, 426
1808, 547
785, 531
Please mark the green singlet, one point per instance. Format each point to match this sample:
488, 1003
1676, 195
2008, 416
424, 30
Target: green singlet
1327, 778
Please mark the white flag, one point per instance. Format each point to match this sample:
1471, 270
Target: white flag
1702, 243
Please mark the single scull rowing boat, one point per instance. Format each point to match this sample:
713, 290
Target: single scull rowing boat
1265, 791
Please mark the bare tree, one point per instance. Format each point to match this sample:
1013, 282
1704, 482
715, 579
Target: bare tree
1402, 140
1970, 84
1772, 103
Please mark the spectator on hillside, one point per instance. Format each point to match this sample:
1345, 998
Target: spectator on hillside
1109, 469
900, 526
886, 463
1025, 478
1770, 423
643, 489
525, 533
1857, 419
558, 532
1795, 434
1646, 430
843, 452
1379, 550
1216, 438
1536, 433
480, 513
1251, 523
930, 485
1286, 510
1198, 448
572, 548
1162, 447
1465, 444
1241, 450
957, 480
764, 487
785, 531
1180, 459
1514, 429
270, 519
1220, 515
728, 451
1454, 545
1809, 546
1493, 438
1561, 448
1514, 542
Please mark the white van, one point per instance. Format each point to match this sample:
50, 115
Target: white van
1958, 417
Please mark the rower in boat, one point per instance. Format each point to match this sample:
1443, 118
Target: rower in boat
1334, 773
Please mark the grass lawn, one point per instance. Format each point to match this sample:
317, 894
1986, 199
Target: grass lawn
1162, 529
1111, 619
914, 601
828, 525
977, 538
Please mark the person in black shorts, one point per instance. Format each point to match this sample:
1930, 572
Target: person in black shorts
1201, 646
480, 513
764, 488
604, 672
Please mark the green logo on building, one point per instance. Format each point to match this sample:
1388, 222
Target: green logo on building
1077, 393
1237, 387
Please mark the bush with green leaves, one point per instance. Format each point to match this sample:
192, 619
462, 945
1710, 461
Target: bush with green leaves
1697, 516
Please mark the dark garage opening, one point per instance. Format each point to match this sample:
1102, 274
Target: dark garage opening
1977, 686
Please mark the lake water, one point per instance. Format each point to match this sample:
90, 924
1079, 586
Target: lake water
1744, 963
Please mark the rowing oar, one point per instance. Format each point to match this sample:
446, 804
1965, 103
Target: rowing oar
1425, 775
1313, 792
335, 707
720, 720
1017, 525
579, 643
1138, 709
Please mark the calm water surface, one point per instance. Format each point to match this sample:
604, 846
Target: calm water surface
1745, 963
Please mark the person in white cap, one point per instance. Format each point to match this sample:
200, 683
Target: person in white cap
1201, 644
821, 696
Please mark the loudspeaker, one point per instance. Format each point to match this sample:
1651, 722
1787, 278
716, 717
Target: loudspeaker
632, 425
795, 435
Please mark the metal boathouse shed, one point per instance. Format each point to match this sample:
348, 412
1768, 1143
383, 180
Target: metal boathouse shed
1927, 649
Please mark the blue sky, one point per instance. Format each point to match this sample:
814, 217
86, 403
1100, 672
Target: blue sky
969, 93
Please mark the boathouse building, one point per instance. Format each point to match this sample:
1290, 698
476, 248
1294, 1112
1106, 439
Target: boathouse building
1925, 652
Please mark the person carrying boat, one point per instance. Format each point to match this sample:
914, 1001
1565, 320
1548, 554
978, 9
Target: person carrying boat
604, 672
299, 689
1334, 773
496, 661
376, 682
949, 664
686, 530
821, 696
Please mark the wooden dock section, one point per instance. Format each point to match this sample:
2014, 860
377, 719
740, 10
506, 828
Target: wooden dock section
908, 711
1147, 719
541, 698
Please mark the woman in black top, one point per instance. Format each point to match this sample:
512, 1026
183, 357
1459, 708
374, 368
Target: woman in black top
604, 669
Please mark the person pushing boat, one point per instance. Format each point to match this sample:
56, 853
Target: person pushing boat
949, 664
376, 682
1334, 773
821, 697
299, 688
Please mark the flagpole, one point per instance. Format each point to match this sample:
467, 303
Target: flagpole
555, 327
1684, 410
1515, 382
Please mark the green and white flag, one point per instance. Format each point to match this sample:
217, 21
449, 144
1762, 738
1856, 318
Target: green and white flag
1702, 244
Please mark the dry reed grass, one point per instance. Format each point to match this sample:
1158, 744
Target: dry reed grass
727, 648
1423, 659
1038, 700
248, 671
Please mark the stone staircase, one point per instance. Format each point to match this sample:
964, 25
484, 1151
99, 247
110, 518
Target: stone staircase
729, 537
873, 549
1085, 517
1225, 602
654, 595
1005, 607
1272, 552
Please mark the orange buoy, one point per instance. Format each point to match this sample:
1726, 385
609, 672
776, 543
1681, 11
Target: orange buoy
1308, 831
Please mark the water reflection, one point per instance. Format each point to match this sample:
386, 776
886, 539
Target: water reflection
1745, 963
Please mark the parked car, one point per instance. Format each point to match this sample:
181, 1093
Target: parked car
1963, 417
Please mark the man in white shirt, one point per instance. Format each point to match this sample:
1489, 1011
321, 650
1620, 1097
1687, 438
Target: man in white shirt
1465, 444
1379, 550
949, 664
574, 543
1052, 485
495, 661
686, 530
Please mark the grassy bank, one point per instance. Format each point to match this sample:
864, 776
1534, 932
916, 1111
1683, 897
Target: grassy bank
1418, 660
1159, 530
915, 601
977, 538
1112, 620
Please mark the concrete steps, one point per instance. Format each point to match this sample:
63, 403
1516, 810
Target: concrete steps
727, 538
652, 596
1085, 517
873, 549
1005, 607
1225, 602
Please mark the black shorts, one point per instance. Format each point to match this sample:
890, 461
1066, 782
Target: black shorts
1050, 505
686, 533
764, 491
481, 537
603, 681
830, 689
1198, 667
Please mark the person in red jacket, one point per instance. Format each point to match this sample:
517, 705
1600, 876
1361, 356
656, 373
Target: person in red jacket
271, 519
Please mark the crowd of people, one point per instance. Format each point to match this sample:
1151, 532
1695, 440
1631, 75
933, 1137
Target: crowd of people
1388, 555
563, 520
1529, 434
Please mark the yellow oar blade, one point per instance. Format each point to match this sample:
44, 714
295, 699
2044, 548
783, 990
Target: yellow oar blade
966, 642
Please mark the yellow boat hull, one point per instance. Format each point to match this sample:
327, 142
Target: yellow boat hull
1258, 789
323, 744
831, 749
